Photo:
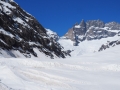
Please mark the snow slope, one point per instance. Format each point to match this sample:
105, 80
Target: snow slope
95, 71
85, 47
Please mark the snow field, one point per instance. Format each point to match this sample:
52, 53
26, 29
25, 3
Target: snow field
95, 71
85, 47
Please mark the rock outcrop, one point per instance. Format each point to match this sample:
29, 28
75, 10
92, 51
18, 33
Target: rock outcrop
109, 44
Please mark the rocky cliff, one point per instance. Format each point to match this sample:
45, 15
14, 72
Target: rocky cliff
22, 32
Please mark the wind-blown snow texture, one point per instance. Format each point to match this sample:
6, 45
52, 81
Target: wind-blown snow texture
95, 71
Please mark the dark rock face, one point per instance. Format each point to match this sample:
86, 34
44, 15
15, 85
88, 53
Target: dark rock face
92, 30
109, 44
98, 33
21, 31
82, 29
70, 34
76, 31
95, 23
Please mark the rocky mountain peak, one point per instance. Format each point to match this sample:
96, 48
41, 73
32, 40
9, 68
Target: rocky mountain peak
95, 23
91, 30
83, 23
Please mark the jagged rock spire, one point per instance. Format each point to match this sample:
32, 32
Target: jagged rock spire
82, 23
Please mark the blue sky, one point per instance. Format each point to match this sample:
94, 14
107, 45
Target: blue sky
61, 15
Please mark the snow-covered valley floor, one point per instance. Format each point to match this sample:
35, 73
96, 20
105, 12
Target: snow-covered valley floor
95, 71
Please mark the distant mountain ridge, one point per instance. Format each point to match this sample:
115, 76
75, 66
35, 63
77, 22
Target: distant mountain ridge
92, 30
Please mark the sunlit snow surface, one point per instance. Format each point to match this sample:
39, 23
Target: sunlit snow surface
85, 70
96, 71
85, 47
